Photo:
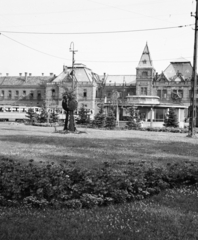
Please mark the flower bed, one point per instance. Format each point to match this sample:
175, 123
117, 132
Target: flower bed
64, 186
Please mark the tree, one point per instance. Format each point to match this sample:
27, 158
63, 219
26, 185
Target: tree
134, 119
31, 115
110, 121
100, 117
171, 119
54, 116
83, 115
69, 104
43, 116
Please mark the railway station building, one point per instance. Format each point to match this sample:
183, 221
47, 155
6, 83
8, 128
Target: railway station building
152, 93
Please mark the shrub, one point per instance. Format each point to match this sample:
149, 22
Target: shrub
31, 115
99, 119
134, 119
64, 186
171, 119
110, 121
83, 116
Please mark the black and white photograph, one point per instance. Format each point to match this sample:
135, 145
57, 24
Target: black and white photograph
98, 120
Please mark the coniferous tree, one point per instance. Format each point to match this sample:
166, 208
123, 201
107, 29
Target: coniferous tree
110, 121
83, 115
43, 116
31, 115
99, 120
134, 119
54, 116
171, 119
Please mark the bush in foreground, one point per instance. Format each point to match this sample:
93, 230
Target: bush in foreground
64, 186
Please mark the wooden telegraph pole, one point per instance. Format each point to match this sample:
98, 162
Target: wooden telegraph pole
192, 108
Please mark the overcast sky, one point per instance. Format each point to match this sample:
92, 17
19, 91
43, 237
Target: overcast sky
112, 53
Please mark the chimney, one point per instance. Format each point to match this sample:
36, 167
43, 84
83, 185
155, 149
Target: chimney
42, 74
25, 76
51, 74
30, 74
64, 69
20, 74
7, 74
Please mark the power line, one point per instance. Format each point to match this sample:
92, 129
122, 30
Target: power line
48, 54
107, 32
32, 47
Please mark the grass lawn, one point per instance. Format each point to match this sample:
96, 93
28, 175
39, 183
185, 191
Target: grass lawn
172, 214
95, 146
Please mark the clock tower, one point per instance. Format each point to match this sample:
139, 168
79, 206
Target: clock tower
145, 73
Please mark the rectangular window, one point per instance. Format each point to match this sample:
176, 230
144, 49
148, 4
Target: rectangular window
143, 90
38, 94
180, 93
2, 93
159, 92
24, 94
9, 94
85, 93
31, 94
16, 94
164, 94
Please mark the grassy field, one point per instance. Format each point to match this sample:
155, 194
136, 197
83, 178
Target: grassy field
94, 146
172, 214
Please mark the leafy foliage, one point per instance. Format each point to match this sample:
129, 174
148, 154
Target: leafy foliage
134, 120
110, 121
64, 186
171, 119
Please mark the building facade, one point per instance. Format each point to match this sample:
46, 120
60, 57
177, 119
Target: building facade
151, 92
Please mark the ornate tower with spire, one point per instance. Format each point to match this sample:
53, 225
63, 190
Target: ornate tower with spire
145, 73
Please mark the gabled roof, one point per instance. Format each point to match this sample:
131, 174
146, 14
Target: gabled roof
179, 70
63, 77
22, 81
81, 74
145, 60
121, 79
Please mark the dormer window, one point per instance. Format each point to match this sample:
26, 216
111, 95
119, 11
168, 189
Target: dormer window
144, 61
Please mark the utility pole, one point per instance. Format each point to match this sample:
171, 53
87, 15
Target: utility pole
192, 108
71, 49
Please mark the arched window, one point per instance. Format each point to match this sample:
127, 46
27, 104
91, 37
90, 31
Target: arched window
53, 93
9, 94
84, 93
144, 74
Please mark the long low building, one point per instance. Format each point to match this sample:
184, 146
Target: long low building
151, 92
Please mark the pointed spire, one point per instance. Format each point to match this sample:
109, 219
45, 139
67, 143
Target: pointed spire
145, 60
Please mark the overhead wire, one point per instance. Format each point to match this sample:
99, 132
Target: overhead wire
102, 32
51, 55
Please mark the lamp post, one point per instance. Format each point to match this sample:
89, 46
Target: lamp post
71, 49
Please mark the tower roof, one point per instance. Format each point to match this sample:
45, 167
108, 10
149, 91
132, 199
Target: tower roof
145, 60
